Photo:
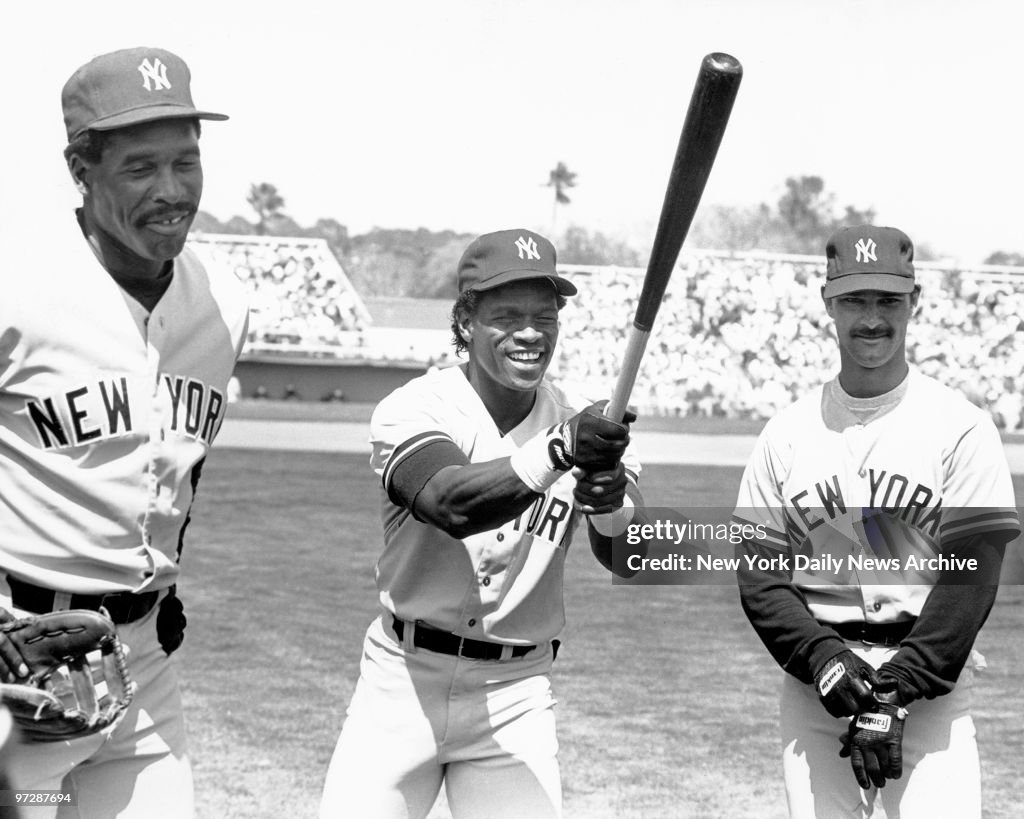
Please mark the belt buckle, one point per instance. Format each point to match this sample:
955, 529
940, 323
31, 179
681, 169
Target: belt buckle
883, 643
458, 651
862, 636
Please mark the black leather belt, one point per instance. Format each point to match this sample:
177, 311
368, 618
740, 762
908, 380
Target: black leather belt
123, 607
879, 634
444, 642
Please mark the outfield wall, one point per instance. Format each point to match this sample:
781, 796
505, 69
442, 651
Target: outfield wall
316, 379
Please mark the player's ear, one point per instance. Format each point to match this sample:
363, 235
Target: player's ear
464, 322
828, 303
914, 298
79, 171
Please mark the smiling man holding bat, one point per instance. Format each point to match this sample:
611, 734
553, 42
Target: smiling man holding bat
486, 470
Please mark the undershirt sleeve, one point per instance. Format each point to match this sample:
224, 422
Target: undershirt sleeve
930, 659
413, 469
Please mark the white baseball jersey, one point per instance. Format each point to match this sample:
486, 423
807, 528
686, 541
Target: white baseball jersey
503, 585
876, 479
106, 413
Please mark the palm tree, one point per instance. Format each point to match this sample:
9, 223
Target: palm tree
560, 178
267, 202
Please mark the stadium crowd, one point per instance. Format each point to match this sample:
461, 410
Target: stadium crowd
738, 335
299, 296
742, 335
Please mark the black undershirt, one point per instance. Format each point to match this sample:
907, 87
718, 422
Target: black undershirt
146, 291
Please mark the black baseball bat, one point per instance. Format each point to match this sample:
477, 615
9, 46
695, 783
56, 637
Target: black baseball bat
710, 105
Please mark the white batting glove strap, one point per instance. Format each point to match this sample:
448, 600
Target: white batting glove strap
612, 524
533, 463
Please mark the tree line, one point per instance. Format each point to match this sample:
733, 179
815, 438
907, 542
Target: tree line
420, 263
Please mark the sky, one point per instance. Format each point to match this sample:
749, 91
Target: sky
450, 113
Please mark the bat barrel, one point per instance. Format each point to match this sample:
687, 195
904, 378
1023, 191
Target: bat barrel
710, 105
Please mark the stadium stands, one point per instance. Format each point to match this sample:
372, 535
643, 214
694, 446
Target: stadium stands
299, 295
739, 335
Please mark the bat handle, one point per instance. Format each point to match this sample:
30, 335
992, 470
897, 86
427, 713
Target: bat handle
635, 346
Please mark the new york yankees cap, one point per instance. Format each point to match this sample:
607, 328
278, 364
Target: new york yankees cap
507, 256
869, 258
128, 87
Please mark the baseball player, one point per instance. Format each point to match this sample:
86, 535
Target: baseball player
878, 489
116, 346
485, 469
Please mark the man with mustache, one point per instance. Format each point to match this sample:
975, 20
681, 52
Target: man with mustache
115, 356
888, 504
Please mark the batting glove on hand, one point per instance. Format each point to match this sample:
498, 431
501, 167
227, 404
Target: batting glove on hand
591, 441
587, 440
598, 493
874, 742
844, 685
12, 664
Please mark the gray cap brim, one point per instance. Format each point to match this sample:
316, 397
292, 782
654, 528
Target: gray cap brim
881, 282
563, 286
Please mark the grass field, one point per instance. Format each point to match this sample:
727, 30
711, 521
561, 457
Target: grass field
667, 701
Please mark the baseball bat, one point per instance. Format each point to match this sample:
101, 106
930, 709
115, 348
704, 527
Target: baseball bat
710, 105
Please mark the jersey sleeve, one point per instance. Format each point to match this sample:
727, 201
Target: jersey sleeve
978, 491
411, 439
759, 501
11, 342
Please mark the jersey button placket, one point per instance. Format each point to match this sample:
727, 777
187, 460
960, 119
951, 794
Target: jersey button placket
156, 418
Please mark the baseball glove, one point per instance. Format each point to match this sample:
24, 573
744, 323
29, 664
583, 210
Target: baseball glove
78, 681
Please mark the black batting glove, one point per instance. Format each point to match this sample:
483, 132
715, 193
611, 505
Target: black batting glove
590, 440
874, 742
844, 683
598, 493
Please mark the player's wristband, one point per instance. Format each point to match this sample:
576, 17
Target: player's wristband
615, 522
542, 460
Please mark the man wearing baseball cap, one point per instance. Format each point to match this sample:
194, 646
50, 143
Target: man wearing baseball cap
485, 471
882, 480
118, 344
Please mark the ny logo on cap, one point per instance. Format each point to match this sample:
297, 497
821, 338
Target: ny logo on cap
155, 71
527, 248
866, 250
